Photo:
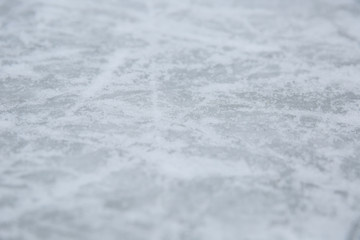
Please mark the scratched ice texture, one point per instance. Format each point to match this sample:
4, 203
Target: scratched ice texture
179, 120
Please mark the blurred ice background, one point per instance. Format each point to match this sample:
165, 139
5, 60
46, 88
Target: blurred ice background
179, 120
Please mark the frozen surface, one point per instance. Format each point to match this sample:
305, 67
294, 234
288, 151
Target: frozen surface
179, 120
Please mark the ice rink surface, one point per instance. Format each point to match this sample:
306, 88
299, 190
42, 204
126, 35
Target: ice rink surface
179, 120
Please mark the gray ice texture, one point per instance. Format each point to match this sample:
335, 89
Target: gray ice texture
179, 120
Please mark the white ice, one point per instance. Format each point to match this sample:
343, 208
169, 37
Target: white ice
179, 120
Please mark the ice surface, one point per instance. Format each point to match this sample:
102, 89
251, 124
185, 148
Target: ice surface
179, 120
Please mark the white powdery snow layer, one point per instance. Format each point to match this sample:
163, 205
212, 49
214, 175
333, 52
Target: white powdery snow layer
179, 120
